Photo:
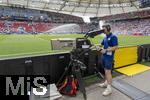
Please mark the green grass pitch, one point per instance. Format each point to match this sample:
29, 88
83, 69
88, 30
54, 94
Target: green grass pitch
20, 45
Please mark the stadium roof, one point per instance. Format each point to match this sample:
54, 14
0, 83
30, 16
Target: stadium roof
94, 8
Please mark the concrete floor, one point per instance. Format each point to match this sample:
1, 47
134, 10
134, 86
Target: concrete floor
95, 93
140, 81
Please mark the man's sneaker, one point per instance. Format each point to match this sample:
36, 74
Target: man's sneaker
107, 91
103, 85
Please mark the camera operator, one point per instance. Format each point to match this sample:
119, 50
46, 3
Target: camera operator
110, 44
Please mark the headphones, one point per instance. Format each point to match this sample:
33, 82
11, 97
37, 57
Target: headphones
107, 27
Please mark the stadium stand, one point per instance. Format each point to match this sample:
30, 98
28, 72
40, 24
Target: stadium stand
132, 27
22, 27
130, 15
133, 23
22, 20
14, 13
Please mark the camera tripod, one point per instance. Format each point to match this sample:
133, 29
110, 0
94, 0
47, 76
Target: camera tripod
76, 66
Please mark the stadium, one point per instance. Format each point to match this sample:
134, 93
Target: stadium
42, 38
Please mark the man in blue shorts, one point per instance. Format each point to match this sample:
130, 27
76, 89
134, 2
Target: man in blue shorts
110, 44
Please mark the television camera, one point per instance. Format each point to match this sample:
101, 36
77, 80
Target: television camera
83, 45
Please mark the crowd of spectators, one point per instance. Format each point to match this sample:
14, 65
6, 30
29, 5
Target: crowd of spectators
130, 23
23, 20
132, 26
24, 27
64, 18
24, 14
130, 15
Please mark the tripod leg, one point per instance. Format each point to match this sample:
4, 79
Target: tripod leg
81, 85
100, 74
65, 73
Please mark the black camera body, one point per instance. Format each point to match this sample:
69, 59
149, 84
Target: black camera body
82, 43
83, 46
